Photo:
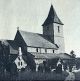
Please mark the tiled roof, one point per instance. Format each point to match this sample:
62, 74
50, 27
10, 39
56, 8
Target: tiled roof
36, 40
45, 55
64, 56
51, 55
52, 17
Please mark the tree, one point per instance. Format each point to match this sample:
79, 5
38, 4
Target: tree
72, 61
29, 59
72, 53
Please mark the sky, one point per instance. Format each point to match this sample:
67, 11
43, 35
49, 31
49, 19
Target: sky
29, 15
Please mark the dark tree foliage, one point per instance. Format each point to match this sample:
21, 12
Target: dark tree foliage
72, 60
6, 55
77, 63
59, 68
72, 54
12, 68
3, 59
1, 51
31, 62
65, 64
44, 67
41, 67
53, 63
5, 63
29, 59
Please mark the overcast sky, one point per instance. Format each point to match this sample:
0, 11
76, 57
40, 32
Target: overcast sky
29, 15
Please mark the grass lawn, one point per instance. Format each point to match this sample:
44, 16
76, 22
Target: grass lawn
28, 75
77, 76
42, 76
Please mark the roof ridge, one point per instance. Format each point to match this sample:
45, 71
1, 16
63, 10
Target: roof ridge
28, 32
36, 40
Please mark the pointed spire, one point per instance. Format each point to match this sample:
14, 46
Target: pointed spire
52, 17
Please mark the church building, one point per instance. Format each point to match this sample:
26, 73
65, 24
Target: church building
41, 46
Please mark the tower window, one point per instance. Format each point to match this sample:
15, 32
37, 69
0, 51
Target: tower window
47, 27
59, 29
36, 49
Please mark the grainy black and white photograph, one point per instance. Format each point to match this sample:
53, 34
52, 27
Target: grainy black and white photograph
39, 40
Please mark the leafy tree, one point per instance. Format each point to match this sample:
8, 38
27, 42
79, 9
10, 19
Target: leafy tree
72, 53
72, 60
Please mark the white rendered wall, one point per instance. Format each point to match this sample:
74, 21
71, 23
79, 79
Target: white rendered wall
40, 50
38, 61
49, 50
30, 49
23, 63
59, 38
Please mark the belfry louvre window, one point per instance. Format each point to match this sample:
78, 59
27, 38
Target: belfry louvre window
47, 27
59, 29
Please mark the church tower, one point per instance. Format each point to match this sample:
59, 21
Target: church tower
53, 30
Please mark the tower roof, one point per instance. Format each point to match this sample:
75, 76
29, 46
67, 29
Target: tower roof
52, 17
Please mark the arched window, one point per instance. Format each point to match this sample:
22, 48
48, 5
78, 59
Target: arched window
21, 63
18, 63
